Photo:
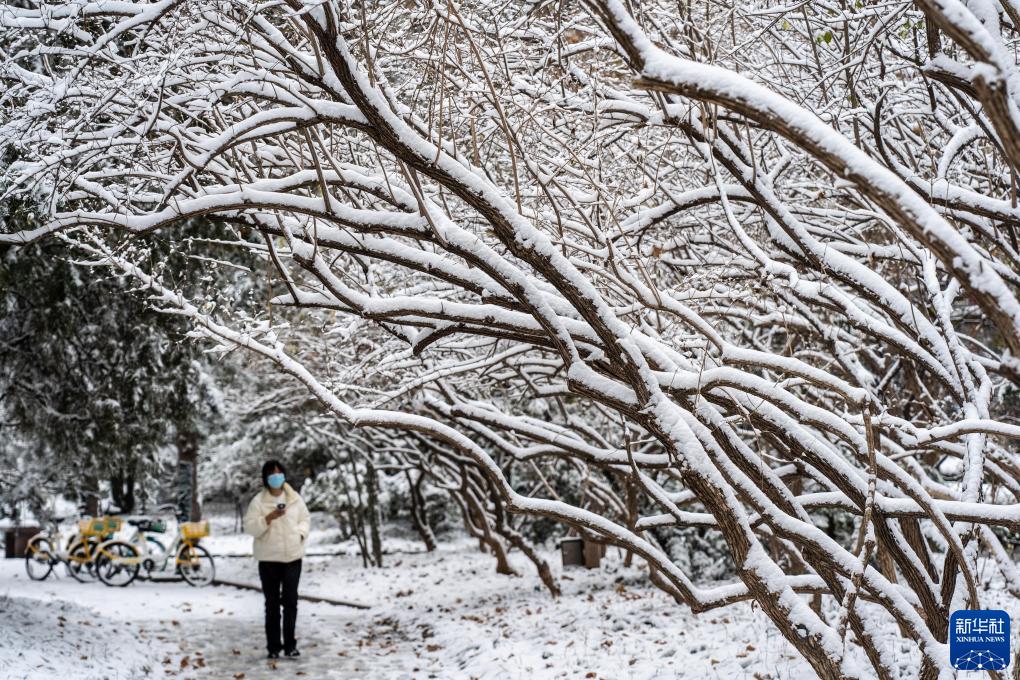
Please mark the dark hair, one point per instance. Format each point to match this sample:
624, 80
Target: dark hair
267, 469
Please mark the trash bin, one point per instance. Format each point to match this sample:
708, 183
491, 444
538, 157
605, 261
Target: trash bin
578, 552
593, 554
16, 540
572, 552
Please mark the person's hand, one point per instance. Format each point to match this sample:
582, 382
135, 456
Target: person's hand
275, 514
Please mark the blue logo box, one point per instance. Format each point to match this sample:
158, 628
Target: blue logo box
979, 639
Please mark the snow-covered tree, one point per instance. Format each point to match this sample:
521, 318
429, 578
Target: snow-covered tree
734, 266
95, 385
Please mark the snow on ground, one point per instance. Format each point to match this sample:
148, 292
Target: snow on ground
61, 639
445, 614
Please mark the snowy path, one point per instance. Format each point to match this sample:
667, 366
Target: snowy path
212, 632
226, 649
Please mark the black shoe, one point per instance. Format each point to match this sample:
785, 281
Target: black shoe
292, 653
273, 655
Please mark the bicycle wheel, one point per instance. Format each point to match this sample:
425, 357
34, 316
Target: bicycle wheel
195, 565
79, 561
39, 558
157, 550
117, 563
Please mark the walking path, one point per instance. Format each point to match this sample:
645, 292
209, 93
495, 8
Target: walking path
223, 649
213, 632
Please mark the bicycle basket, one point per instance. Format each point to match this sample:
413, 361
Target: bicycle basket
99, 526
193, 531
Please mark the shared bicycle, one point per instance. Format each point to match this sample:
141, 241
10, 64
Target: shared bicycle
82, 553
123, 560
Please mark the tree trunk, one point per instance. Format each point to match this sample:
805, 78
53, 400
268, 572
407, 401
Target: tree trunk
358, 503
90, 495
357, 526
374, 519
187, 477
419, 513
514, 538
632, 514
478, 525
238, 514
122, 488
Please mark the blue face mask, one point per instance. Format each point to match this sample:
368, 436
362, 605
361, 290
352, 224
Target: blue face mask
275, 480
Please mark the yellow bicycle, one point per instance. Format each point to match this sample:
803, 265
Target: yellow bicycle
122, 560
79, 553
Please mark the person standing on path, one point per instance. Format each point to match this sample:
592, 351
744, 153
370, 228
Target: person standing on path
278, 520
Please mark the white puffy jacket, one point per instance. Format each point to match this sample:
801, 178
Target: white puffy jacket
283, 539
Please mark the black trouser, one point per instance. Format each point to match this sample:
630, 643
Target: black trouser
280, 584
